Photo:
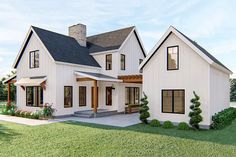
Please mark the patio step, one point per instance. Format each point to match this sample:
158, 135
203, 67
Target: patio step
90, 114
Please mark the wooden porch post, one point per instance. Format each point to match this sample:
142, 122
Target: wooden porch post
95, 98
8, 93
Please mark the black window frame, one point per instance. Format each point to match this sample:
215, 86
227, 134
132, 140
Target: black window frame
177, 57
31, 52
39, 103
134, 88
107, 67
65, 106
172, 90
85, 97
122, 68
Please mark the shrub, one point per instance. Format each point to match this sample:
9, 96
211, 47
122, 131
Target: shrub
35, 115
195, 117
8, 109
17, 113
144, 114
155, 123
183, 126
223, 118
168, 125
47, 110
23, 114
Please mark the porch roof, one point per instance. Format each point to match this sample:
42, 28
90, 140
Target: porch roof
12, 78
31, 81
97, 76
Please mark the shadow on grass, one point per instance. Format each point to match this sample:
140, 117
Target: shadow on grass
6, 134
224, 136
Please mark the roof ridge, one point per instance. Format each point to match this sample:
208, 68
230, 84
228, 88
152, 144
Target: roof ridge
110, 31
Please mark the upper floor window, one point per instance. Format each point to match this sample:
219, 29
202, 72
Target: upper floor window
140, 61
109, 62
34, 59
173, 58
122, 62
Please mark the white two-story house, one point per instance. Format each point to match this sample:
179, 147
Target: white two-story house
174, 68
76, 72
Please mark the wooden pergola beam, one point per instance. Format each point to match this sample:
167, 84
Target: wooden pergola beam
131, 78
84, 79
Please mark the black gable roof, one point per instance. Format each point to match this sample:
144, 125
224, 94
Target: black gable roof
64, 48
203, 50
108, 41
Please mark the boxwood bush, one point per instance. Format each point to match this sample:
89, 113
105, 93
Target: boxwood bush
183, 126
223, 118
168, 125
155, 123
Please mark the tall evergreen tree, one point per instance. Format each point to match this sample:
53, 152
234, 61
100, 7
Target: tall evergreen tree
195, 117
144, 114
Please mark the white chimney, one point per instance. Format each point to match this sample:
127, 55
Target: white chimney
79, 33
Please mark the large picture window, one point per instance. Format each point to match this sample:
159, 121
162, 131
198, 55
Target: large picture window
82, 95
173, 101
34, 96
132, 95
68, 96
173, 58
122, 62
34, 59
109, 62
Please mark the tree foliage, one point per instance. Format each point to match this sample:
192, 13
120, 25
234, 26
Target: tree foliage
144, 114
195, 117
3, 88
232, 90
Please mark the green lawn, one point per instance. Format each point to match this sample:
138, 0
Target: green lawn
80, 139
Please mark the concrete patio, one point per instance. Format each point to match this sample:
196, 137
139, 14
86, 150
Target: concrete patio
120, 120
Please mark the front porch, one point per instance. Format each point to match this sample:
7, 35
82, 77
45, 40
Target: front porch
103, 95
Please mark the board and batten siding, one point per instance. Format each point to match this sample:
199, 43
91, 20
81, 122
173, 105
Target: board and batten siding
220, 90
46, 68
193, 75
133, 52
65, 77
101, 59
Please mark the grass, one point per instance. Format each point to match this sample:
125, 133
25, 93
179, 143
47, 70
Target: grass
81, 139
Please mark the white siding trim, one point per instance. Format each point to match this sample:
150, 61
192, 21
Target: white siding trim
173, 30
18, 55
27, 36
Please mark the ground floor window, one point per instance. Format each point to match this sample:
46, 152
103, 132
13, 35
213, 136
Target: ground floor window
132, 95
82, 95
68, 96
34, 96
173, 101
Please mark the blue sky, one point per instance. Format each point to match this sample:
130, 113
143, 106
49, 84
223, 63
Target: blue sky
211, 23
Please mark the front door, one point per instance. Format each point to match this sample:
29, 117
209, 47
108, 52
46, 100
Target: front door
93, 96
108, 96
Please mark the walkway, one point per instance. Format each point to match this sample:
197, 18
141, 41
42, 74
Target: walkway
121, 120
